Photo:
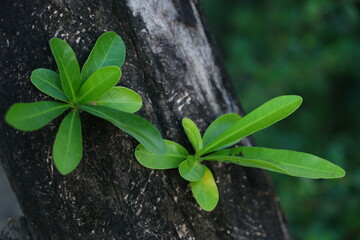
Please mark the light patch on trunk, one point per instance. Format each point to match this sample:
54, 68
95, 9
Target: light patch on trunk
160, 19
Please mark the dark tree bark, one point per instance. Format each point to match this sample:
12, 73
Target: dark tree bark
15, 229
172, 63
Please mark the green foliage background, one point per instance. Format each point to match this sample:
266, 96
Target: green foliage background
310, 48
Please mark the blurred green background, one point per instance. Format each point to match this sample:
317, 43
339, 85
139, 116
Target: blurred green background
310, 48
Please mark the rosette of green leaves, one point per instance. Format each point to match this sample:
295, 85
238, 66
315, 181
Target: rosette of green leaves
91, 89
228, 130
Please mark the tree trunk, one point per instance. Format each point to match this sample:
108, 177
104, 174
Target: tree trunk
172, 63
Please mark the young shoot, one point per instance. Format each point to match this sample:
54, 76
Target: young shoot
92, 89
226, 131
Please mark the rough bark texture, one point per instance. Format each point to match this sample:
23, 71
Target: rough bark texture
172, 63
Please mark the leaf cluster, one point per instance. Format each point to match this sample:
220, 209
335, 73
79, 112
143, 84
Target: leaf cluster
92, 89
228, 130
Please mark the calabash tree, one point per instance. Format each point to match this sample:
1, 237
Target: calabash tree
173, 65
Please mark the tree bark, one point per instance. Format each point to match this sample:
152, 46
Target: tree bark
173, 64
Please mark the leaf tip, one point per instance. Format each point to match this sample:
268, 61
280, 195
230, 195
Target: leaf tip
64, 172
208, 209
295, 98
62, 168
109, 33
340, 173
54, 40
298, 98
186, 121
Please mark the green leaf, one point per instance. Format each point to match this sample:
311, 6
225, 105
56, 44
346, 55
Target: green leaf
99, 83
205, 191
33, 116
293, 163
175, 155
297, 163
138, 127
68, 67
228, 156
48, 82
219, 126
193, 133
191, 169
68, 148
121, 98
262, 117
109, 50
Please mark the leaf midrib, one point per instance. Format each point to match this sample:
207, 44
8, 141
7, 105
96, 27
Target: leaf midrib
50, 83
103, 60
41, 113
93, 88
285, 164
192, 133
114, 102
205, 149
67, 76
304, 167
111, 119
233, 159
168, 155
70, 134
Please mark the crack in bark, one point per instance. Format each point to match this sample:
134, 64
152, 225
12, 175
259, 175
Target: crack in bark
119, 202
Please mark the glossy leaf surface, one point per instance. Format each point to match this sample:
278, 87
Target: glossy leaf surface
109, 50
68, 66
293, 163
174, 156
68, 148
138, 127
48, 82
99, 83
219, 126
121, 98
205, 191
262, 117
191, 169
193, 133
33, 116
228, 156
